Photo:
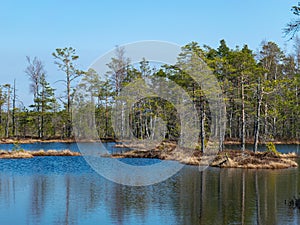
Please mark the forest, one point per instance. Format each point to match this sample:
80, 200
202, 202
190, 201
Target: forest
260, 90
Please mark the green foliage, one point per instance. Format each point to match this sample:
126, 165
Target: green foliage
17, 147
268, 82
271, 148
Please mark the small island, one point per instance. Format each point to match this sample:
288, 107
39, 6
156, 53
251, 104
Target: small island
22, 154
270, 159
167, 150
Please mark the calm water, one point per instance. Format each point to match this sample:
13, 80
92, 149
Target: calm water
65, 190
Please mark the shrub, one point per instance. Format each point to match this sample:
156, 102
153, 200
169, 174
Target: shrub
17, 147
271, 148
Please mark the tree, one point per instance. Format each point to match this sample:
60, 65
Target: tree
14, 109
219, 61
35, 70
294, 25
189, 60
65, 60
46, 100
2, 102
243, 64
235, 70
271, 59
118, 70
8, 93
100, 90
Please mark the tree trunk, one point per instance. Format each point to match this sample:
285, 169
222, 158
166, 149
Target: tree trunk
202, 122
106, 116
266, 120
13, 112
230, 124
8, 112
257, 121
69, 116
243, 131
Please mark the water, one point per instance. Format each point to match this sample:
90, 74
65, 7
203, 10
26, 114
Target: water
65, 190
284, 148
57, 146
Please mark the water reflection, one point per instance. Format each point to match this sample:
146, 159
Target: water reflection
64, 190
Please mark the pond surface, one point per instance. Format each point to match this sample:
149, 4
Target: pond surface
65, 190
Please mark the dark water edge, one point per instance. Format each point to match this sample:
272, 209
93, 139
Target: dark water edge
284, 148
65, 190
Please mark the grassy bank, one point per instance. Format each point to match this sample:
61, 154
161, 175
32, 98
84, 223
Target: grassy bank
224, 159
30, 154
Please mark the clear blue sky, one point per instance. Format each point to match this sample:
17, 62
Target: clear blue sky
36, 28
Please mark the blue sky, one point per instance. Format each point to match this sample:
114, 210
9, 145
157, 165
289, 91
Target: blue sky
37, 28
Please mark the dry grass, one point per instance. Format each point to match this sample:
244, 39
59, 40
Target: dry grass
251, 160
30, 154
15, 155
55, 153
225, 159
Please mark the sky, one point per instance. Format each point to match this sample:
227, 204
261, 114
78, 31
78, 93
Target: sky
94, 27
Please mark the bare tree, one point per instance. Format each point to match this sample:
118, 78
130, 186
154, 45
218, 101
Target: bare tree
294, 25
35, 71
118, 68
14, 109
118, 72
7, 86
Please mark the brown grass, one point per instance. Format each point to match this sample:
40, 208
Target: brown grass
225, 159
55, 153
251, 160
15, 155
30, 154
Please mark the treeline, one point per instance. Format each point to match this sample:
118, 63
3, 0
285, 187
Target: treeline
260, 90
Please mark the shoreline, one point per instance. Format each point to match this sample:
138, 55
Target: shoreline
72, 140
55, 140
22, 154
225, 159
168, 150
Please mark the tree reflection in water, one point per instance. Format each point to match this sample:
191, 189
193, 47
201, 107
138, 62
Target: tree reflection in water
58, 194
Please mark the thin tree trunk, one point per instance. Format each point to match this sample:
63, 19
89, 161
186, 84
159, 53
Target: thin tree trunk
230, 124
8, 112
13, 111
274, 127
69, 119
243, 132
106, 116
141, 122
266, 120
257, 121
42, 112
202, 126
